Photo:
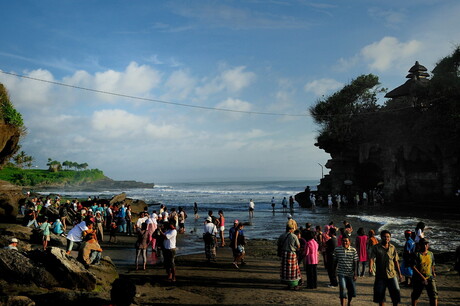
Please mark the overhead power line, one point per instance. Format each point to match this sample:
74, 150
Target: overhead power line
152, 100
191, 105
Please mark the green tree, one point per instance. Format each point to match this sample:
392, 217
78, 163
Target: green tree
335, 113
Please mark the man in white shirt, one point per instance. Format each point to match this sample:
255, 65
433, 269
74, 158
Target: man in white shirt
169, 252
142, 218
210, 239
251, 208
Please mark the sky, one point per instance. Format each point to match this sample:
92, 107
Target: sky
148, 84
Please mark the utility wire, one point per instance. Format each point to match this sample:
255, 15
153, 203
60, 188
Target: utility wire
194, 106
152, 100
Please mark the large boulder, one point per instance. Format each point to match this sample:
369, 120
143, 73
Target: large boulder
69, 272
119, 198
10, 198
18, 231
15, 267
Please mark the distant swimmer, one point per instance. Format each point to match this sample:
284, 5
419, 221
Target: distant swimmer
195, 210
251, 208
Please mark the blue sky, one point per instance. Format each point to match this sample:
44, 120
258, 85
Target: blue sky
252, 56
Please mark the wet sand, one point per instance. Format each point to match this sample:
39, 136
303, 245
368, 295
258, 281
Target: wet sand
255, 283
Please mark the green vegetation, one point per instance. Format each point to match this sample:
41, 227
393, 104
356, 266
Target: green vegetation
39, 177
7, 112
351, 115
335, 113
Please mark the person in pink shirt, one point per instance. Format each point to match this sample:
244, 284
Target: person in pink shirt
311, 260
361, 248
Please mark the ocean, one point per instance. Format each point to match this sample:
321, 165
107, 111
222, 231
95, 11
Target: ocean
442, 226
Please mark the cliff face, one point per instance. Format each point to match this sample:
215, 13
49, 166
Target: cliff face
9, 140
10, 195
406, 154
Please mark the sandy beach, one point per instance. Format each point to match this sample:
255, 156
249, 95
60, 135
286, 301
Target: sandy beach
255, 283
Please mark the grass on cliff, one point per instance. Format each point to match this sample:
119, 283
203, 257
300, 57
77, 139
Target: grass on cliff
39, 177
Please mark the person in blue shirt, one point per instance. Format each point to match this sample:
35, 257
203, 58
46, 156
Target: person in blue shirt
408, 259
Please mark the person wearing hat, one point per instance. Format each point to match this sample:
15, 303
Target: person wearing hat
291, 222
13, 245
210, 239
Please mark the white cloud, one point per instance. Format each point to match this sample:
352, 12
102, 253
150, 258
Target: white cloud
383, 55
26, 93
231, 81
179, 85
236, 105
135, 80
118, 123
236, 79
322, 86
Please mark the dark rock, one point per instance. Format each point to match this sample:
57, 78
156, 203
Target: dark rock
118, 198
10, 197
70, 298
17, 301
68, 271
18, 268
18, 231
303, 199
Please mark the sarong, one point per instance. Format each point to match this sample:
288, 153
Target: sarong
290, 270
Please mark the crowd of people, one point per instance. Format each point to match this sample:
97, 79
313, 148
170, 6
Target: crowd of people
346, 258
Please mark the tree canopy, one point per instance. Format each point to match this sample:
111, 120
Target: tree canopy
336, 112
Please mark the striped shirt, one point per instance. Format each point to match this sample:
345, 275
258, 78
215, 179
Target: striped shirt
346, 260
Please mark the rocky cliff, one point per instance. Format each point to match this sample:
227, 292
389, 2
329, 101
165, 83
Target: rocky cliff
409, 148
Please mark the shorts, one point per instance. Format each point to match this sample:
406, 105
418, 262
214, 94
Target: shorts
222, 228
431, 289
46, 237
251, 209
347, 287
182, 225
380, 286
169, 256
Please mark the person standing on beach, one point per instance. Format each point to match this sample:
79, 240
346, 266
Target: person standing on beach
425, 275
210, 240
273, 203
408, 258
288, 243
346, 260
251, 208
331, 244
361, 248
291, 204
141, 245
222, 228
311, 260
195, 210
45, 227
387, 269
169, 251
